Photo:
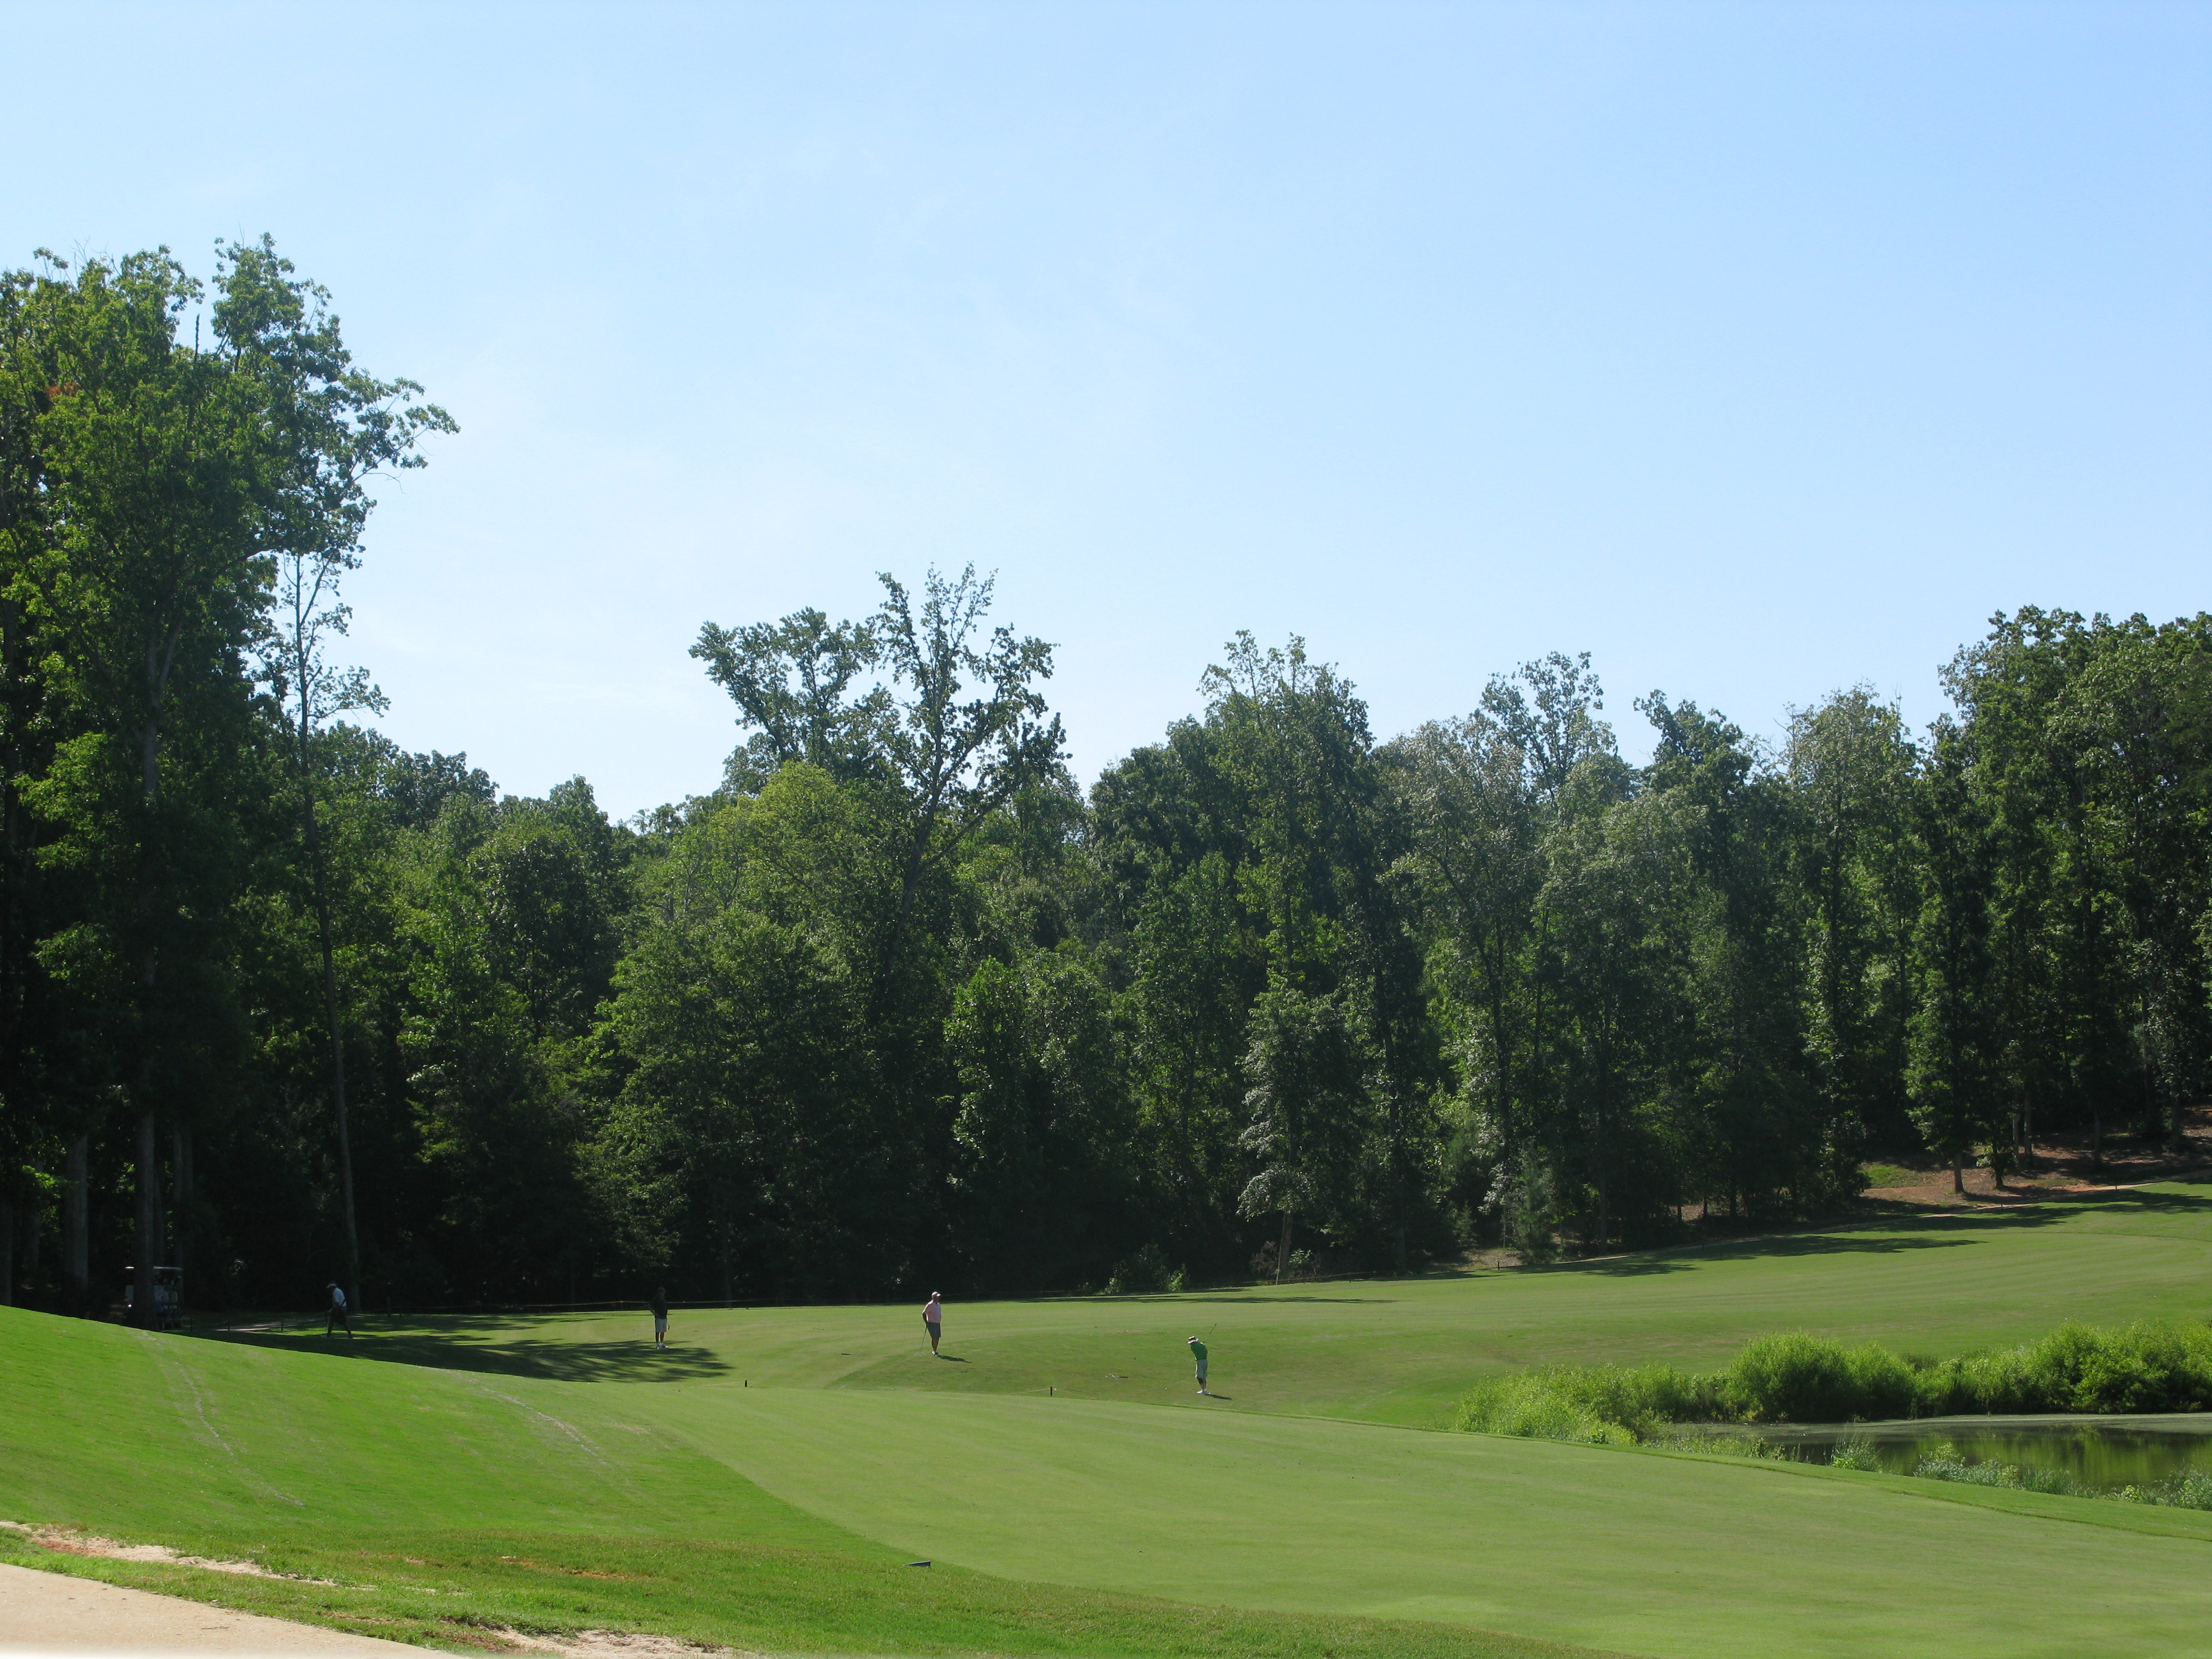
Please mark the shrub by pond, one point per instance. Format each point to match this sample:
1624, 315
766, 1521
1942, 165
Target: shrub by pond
1793, 1376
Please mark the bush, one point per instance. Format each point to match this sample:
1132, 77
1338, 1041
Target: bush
1534, 1407
2191, 1491
1145, 1273
1598, 1404
1795, 1377
1945, 1464
1854, 1454
2150, 1367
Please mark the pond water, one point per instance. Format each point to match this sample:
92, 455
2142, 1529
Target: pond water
2102, 1453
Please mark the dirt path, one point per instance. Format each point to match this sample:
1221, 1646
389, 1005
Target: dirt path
52, 1612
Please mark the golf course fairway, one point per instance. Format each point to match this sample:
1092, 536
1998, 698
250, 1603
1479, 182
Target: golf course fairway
1403, 1351
763, 1483
1626, 1550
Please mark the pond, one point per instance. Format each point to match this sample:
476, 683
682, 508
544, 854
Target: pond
2102, 1454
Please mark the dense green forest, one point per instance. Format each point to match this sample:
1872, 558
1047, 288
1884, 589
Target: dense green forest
900, 1002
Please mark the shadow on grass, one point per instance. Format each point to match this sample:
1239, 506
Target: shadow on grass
2164, 1203
1891, 1232
463, 1344
1215, 1300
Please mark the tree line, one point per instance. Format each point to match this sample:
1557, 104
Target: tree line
899, 1001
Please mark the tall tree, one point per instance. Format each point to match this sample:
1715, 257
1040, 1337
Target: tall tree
153, 580
1956, 1028
335, 428
1852, 769
174, 472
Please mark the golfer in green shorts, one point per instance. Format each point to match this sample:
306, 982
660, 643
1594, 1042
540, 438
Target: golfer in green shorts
1198, 1352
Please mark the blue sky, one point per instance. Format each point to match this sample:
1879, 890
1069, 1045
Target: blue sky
1757, 350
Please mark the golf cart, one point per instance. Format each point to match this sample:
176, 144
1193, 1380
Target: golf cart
168, 1296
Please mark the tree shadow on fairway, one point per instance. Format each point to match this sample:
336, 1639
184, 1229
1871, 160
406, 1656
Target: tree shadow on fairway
2163, 1203
491, 1344
1687, 1257
1221, 1301
1911, 1229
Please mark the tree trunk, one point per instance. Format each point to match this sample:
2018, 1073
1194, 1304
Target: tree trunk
7, 1254
35, 1224
150, 751
144, 1313
145, 1308
1283, 1251
76, 1254
1958, 1173
1604, 1222
1604, 1219
335, 1028
180, 1200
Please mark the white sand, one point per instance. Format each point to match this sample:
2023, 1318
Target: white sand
52, 1612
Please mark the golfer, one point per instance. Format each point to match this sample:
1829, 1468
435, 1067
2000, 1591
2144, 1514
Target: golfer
660, 1317
932, 1320
1198, 1352
338, 1314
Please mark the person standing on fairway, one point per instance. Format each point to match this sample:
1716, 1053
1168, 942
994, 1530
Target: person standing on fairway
338, 1314
932, 1320
1198, 1352
660, 1318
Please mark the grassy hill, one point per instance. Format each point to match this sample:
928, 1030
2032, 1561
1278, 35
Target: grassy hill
764, 1482
443, 1505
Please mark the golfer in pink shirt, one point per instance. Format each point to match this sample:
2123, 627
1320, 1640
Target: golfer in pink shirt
932, 1320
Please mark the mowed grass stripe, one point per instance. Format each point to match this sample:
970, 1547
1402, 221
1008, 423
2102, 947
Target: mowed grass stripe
1659, 1555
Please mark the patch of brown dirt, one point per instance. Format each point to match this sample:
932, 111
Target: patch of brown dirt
66, 1541
2063, 1168
595, 1643
146, 1619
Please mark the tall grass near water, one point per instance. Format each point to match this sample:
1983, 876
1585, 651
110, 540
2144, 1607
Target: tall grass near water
2190, 1489
1793, 1376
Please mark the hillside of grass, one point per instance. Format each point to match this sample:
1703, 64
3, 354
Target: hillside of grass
440, 1505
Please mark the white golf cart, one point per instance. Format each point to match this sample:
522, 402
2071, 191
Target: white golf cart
168, 1296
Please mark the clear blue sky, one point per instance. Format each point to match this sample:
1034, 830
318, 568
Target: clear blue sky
1756, 350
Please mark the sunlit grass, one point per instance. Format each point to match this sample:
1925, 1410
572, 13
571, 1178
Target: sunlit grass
1065, 1514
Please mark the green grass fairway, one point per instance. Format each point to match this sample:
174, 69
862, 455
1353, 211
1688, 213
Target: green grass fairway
1633, 1551
1403, 1351
557, 1474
